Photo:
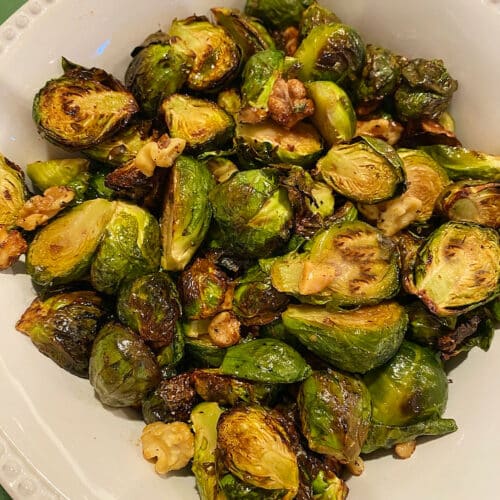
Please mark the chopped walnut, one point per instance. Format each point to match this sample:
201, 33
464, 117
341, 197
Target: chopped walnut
162, 153
224, 329
39, 209
12, 246
288, 103
171, 445
357, 467
405, 450
290, 40
252, 115
382, 128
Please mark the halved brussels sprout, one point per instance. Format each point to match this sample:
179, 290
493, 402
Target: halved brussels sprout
246, 31
335, 414
230, 100
425, 181
253, 446
265, 360
122, 367
253, 212
201, 351
316, 15
334, 115
458, 268
332, 52
382, 127
472, 201
411, 388
201, 123
265, 143
150, 305
221, 168
233, 488
277, 13
216, 55
64, 326
82, 108
367, 171
156, 71
426, 89
380, 76
355, 341
13, 192
350, 263
171, 355
63, 250
130, 247
186, 212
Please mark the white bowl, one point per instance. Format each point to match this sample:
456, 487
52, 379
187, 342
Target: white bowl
56, 439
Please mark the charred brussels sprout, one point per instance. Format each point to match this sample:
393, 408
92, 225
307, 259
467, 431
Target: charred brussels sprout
254, 447
355, 341
201, 351
156, 71
462, 163
332, 52
335, 414
315, 15
186, 212
265, 360
367, 171
170, 355
130, 247
122, 368
334, 115
82, 108
13, 192
64, 326
216, 57
201, 123
63, 250
255, 300
253, 212
411, 388
458, 268
425, 181
472, 201
150, 306
350, 263
246, 31
277, 13
380, 76
265, 143
425, 91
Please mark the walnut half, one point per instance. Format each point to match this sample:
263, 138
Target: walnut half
12, 246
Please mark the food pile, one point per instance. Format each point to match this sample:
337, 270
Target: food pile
271, 243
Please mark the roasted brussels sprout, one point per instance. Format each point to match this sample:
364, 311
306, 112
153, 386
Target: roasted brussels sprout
64, 326
334, 115
425, 181
221, 168
411, 388
246, 31
156, 71
332, 52
63, 250
316, 15
82, 108
172, 354
201, 351
472, 201
351, 263
122, 368
253, 212
262, 144
254, 447
171, 401
216, 57
230, 100
277, 13
355, 341
265, 360
367, 171
97, 187
382, 127
186, 212
130, 247
458, 268
13, 192
150, 305
335, 414
201, 123
462, 163
255, 300
425, 91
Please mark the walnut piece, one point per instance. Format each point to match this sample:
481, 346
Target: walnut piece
405, 450
224, 329
171, 445
290, 40
12, 246
39, 209
381, 128
288, 103
162, 153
